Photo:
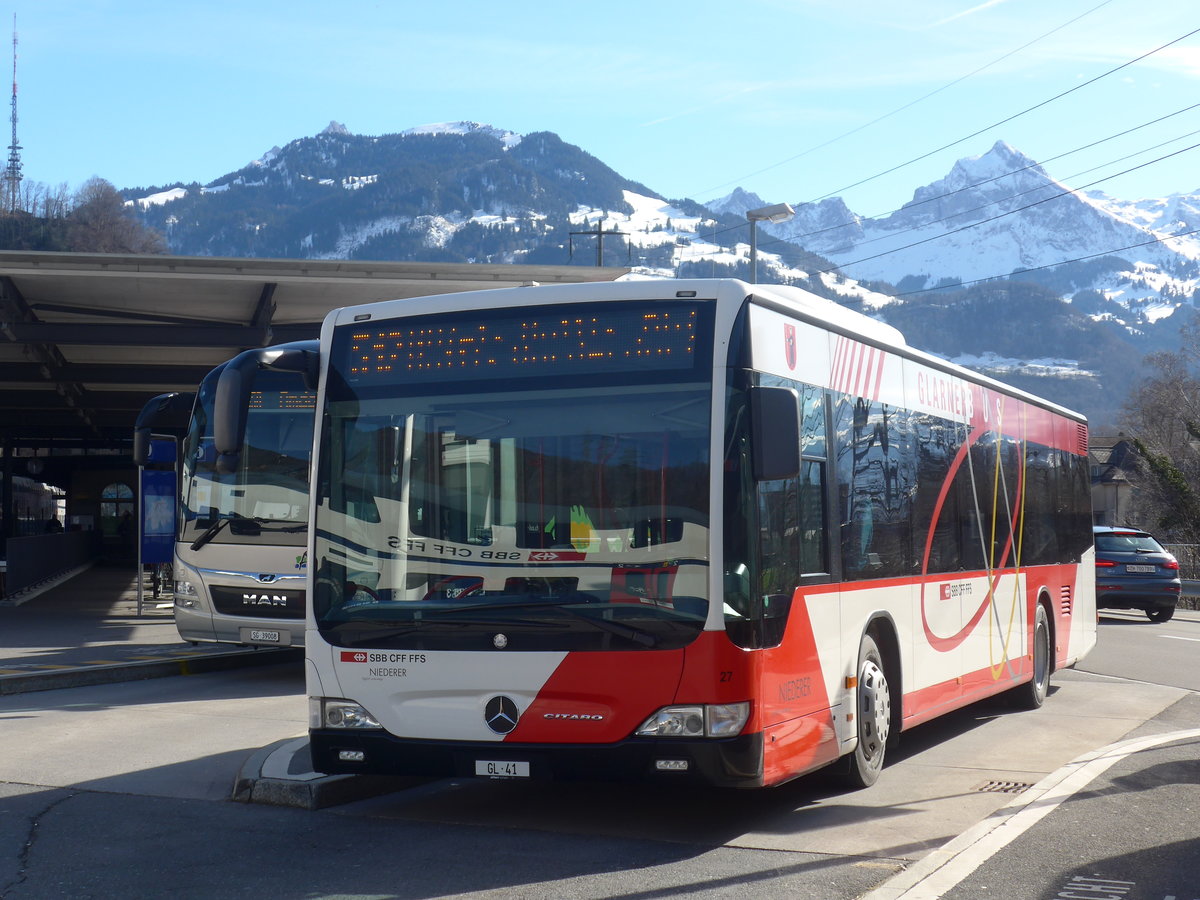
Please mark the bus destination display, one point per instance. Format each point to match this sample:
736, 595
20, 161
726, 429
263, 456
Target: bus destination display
530, 342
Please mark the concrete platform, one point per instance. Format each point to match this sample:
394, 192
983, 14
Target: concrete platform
87, 629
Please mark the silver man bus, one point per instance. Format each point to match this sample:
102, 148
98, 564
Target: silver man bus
241, 558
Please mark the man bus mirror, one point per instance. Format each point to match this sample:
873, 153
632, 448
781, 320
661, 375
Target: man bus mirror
236, 383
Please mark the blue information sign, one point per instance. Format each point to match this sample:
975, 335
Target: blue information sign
158, 515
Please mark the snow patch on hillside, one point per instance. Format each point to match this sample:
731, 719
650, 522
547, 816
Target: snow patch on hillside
509, 139
351, 240
160, 198
999, 366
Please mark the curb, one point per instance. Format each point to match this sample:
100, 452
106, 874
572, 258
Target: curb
140, 671
281, 774
934, 875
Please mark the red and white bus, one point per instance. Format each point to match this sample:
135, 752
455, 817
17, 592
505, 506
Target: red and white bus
669, 530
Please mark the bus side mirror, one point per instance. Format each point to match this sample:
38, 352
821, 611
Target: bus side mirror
232, 401
166, 413
775, 432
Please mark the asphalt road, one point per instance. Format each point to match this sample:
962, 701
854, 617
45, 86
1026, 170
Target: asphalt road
122, 790
1130, 646
1130, 833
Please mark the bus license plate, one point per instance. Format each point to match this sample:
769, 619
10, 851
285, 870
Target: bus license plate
1149, 570
493, 768
266, 637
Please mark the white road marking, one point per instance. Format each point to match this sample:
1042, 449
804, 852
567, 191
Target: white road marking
933, 875
1179, 637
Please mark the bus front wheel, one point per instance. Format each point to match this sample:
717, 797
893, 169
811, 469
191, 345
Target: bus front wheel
872, 716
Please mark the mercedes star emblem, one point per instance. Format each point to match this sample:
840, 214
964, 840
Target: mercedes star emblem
501, 714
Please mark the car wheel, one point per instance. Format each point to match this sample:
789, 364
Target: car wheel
872, 716
1160, 613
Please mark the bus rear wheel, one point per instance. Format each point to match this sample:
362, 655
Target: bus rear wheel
1032, 694
872, 717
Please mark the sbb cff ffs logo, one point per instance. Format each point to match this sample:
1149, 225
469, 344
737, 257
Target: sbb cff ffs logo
363, 656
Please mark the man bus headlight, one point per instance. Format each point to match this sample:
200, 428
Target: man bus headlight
711, 720
326, 713
186, 594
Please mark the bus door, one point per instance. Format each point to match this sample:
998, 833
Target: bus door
800, 609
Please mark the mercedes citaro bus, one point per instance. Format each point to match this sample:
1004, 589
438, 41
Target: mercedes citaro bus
668, 529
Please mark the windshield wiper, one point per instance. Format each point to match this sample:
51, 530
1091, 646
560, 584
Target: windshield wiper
261, 524
285, 525
499, 604
630, 632
357, 631
210, 532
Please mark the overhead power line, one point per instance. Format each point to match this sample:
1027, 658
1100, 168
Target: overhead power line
1160, 239
910, 104
1003, 214
1041, 187
1007, 119
1034, 165
934, 198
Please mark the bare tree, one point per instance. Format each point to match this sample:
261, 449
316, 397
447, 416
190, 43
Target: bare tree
99, 222
44, 201
1162, 418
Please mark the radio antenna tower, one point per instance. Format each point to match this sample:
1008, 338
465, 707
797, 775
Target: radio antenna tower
12, 174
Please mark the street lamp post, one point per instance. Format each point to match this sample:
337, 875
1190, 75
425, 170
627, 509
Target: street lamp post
776, 212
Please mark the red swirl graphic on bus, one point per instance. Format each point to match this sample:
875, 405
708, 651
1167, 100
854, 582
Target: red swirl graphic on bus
943, 643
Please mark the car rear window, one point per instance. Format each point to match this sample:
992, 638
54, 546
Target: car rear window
1131, 542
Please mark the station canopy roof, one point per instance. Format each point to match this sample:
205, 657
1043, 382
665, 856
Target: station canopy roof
87, 339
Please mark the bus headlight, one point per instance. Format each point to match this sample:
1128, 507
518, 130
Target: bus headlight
186, 593
326, 713
711, 720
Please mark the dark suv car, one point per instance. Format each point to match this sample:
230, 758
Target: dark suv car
1133, 571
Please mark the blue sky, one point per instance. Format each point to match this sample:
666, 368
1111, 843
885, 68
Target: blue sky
780, 97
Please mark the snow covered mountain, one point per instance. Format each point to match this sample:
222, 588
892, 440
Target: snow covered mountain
1097, 287
1170, 215
1000, 214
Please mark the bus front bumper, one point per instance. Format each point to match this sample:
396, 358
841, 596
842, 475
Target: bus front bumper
729, 762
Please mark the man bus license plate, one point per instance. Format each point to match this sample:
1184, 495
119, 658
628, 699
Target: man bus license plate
496, 768
266, 637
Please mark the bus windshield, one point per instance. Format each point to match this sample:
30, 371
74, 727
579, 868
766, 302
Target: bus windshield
557, 513
266, 500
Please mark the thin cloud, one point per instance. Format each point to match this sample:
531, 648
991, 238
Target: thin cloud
716, 101
967, 12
